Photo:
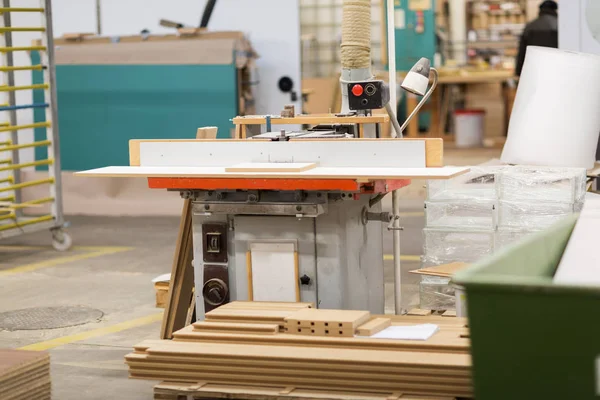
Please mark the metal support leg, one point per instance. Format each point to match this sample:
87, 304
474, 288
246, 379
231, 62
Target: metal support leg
396, 229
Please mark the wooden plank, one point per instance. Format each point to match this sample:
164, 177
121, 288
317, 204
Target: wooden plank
413, 127
308, 373
445, 270
236, 328
267, 305
373, 326
313, 120
316, 355
316, 173
213, 391
182, 277
449, 341
420, 312
315, 383
271, 167
249, 314
215, 361
449, 313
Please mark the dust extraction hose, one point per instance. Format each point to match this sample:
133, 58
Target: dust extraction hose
356, 34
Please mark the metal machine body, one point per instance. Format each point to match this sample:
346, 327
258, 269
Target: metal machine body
339, 251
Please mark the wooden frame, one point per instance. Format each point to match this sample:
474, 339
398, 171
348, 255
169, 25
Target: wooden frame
241, 123
434, 147
249, 274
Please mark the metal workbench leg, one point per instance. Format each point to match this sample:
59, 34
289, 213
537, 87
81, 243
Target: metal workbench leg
396, 229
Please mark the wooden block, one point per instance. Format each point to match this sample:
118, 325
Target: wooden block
449, 313
162, 294
208, 132
271, 167
373, 326
434, 153
419, 312
327, 322
134, 153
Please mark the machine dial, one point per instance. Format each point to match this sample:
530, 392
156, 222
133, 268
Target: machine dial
215, 292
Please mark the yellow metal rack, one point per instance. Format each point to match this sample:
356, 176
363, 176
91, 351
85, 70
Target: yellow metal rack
17, 215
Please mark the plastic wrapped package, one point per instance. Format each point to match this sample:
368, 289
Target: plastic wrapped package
478, 183
533, 215
436, 293
507, 236
461, 214
562, 185
452, 245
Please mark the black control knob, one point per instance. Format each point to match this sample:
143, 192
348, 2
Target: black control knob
215, 292
305, 279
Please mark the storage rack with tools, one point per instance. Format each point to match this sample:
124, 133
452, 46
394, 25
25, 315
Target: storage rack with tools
13, 220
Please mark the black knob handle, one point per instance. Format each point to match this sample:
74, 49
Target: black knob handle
305, 279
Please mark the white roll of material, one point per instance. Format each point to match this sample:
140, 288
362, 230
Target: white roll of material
556, 115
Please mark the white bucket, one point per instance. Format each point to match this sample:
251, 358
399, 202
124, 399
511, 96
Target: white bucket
469, 128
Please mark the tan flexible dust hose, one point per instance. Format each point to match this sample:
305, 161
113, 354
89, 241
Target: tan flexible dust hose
356, 34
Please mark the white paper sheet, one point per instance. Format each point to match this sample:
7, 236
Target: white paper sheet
412, 332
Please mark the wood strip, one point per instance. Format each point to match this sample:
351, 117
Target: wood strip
249, 275
297, 275
285, 353
299, 371
266, 305
441, 389
419, 312
182, 277
264, 315
446, 340
236, 328
213, 391
373, 326
313, 120
448, 372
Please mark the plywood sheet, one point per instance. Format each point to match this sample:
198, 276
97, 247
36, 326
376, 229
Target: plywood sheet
366, 174
271, 167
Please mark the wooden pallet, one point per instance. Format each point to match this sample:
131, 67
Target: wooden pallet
194, 391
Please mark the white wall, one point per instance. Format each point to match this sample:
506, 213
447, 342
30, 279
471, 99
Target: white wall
273, 26
574, 32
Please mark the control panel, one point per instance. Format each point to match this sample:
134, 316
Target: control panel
215, 290
368, 95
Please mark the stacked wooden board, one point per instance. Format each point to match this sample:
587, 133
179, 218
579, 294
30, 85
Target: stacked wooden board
246, 347
24, 375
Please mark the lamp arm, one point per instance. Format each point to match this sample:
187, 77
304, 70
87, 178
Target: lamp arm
423, 100
394, 120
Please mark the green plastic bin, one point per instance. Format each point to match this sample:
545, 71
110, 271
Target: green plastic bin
531, 338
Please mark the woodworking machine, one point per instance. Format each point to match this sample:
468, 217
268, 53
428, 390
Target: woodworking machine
296, 215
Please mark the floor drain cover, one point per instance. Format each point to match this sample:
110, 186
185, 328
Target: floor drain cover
48, 318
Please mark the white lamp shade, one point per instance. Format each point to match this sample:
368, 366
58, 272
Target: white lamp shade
556, 115
415, 83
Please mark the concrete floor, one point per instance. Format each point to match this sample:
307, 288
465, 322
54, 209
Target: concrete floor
110, 269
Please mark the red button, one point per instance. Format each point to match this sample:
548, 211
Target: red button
357, 90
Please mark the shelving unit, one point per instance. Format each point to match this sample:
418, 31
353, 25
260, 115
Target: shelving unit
13, 220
